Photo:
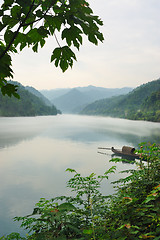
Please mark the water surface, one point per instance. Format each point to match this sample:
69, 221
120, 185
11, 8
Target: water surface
35, 152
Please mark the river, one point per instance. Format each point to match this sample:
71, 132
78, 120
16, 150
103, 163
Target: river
36, 151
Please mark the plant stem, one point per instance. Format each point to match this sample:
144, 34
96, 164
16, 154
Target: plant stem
94, 237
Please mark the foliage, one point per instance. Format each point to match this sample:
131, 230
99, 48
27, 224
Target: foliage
27, 105
132, 212
151, 108
77, 217
29, 23
142, 103
13, 236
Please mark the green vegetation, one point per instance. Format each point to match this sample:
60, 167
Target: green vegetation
132, 212
150, 109
142, 103
27, 105
29, 23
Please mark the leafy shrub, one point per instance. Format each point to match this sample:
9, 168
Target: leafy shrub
131, 213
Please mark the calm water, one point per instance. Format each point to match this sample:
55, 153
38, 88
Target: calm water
35, 151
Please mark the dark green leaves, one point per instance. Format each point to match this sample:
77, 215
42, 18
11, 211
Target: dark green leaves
24, 3
10, 89
42, 31
7, 4
72, 34
39, 13
6, 19
5, 65
16, 11
63, 57
8, 36
27, 23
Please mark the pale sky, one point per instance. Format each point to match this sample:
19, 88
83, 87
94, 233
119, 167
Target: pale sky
129, 56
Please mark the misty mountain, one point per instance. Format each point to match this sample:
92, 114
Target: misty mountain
75, 99
71, 101
96, 93
54, 93
141, 103
39, 94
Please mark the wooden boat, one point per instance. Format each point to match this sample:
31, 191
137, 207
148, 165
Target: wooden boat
125, 152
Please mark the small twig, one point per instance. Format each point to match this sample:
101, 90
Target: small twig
57, 40
94, 237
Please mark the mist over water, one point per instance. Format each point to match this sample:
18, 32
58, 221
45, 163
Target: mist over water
35, 152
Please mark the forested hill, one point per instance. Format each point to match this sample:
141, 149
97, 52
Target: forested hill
27, 105
38, 94
142, 103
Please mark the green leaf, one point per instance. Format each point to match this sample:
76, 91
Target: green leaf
111, 170
39, 13
92, 39
1, 12
88, 231
56, 54
2, 26
35, 47
6, 19
72, 34
66, 206
100, 36
58, 20
16, 95
10, 89
8, 2
70, 170
92, 175
42, 42
70, 52
24, 3
21, 39
63, 64
8, 36
16, 11
42, 31
36, 211
33, 36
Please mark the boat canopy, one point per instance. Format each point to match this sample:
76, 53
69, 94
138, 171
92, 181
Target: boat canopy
126, 149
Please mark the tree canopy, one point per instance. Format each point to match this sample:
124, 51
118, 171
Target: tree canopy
142, 103
30, 104
29, 23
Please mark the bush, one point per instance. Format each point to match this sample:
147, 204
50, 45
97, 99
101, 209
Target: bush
131, 213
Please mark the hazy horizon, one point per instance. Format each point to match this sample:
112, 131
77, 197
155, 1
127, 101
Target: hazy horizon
129, 56
80, 87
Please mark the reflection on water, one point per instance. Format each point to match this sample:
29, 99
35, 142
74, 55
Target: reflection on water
35, 151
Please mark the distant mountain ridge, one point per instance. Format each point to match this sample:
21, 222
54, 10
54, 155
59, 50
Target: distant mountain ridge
54, 93
132, 105
73, 100
142, 102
